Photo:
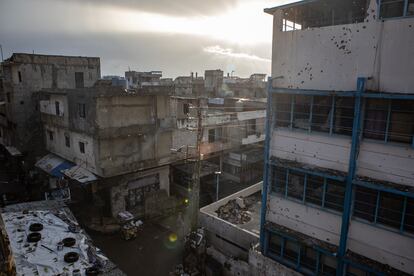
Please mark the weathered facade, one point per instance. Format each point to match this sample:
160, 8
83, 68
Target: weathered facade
338, 185
22, 76
115, 134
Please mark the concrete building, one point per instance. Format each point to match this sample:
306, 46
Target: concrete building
23, 75
139, 79
121, 136
338, 187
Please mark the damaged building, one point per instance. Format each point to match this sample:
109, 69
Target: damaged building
338, 192
122, 137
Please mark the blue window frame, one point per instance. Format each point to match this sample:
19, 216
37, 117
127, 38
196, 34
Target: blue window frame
395, 8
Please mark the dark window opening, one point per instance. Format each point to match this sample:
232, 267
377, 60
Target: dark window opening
291, 251
186, 108
301, 114
20, 76
344, 115
67, 141
275, 244
251, 127
82, 110
409, 216
324, 13
296, 185
327, 265
402, 121
57, 108
365, 203
391, 8
50, 134
335, 193
279, 179
308, 258
390, 209
283, 109
321, 114
79, 82
82, 147
211, 135
375, 123
314, 189
8, 97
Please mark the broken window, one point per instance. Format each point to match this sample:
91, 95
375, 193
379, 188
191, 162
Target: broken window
295, 185
291, 251
335, 193
82, 110
279, 179
401, 127
365, 203
344, 115
301, 115
251, 127
67, 141
82, 147
308, 258
50, 134
57, 108
283, 109
288, 25
79, 82
321, 113
275, 243
327, 265
20, 76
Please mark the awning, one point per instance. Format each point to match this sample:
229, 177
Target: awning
80, 174
54, 165
13, 151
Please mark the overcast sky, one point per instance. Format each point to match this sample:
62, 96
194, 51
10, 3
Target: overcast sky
175, 36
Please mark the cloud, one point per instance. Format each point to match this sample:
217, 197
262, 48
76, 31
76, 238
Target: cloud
170, 7
217, 50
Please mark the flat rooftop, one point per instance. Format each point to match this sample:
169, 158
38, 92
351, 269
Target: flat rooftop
34, 230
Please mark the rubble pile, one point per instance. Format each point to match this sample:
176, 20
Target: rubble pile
234, 212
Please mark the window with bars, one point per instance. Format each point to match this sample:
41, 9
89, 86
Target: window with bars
389, 120
308, 187
385, 208
396, 8
331, 114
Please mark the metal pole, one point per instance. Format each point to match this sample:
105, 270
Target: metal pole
217, 184
1, 50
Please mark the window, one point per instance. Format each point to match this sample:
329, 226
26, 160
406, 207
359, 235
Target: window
389, 120
251, 127
82, 147
186, 108
283, 109
335, 193
82, 110
295, 186
50, 134
409, 216
301, 114
279, 180
391, 8
79, 82
365, 203
314, 189
211, 135
275, 243
20, 76
291, 251
67, 141
308, 258
290, 26
57, 108
390, 209
344, 115
327, 265
321, 113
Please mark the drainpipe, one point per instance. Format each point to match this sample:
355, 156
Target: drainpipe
346, 214
263, 239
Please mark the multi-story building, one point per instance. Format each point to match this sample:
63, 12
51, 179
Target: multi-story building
338, 194
121, 136
22, 76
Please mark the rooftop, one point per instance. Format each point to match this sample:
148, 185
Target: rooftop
36, 231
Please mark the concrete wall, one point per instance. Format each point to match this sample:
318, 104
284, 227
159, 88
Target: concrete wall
333, 57
318, 149
367, 240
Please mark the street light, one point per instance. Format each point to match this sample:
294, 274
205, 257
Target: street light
217, 184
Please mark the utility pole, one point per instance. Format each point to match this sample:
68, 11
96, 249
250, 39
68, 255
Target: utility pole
195, 198
1, 50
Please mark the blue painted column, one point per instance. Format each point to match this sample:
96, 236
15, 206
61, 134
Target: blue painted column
269, 116
346, 215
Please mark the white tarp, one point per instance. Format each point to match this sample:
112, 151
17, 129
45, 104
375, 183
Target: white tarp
80, 174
